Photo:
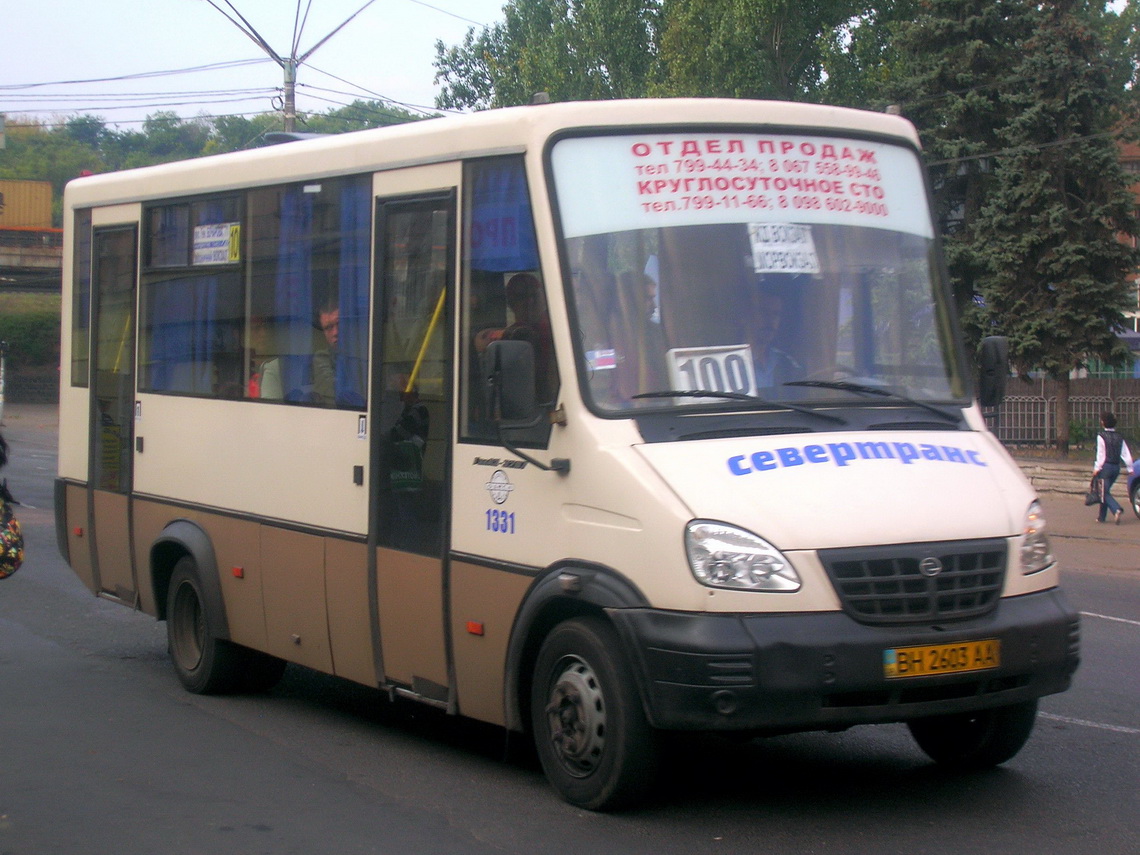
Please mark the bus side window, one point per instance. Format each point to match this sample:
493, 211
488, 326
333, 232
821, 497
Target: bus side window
505, 293
308, 333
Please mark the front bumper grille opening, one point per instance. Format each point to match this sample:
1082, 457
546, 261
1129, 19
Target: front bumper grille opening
918, 582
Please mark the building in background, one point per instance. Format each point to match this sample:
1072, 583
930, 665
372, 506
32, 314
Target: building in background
31, 251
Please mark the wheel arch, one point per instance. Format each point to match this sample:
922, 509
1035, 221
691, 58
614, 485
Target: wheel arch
182, 538
563, 591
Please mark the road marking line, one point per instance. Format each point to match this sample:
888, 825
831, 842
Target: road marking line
1100, 726
1110, 617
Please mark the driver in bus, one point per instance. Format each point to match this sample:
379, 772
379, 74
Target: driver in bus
772, 365
530, 323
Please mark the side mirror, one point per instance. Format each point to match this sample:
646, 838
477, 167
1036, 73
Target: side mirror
508, 367
993, 370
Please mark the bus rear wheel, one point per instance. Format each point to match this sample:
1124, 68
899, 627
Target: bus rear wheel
594, 743
977, 740
204, 663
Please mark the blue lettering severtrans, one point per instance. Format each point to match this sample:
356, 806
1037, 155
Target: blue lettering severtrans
844, 454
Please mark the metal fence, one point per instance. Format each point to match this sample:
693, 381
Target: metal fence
1032, 419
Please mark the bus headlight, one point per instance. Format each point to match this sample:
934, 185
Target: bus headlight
1036, 554
724, 556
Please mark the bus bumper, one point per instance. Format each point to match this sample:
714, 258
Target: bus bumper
824, 671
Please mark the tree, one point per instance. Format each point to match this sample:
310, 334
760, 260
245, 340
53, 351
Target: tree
1054, 270
596, 49
39, 152
749, 48
85, 144
571, 49
860, 54
358, 116
954, 66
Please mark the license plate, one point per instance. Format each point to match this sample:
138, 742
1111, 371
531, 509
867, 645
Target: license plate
930, 660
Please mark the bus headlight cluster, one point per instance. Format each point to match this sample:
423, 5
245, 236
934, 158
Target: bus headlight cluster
724, 556
1036, 554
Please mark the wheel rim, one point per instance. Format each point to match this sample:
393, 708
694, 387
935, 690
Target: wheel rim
576, 717
189, 627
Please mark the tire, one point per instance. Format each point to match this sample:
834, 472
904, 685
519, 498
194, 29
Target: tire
204, 663
590, 731
979, 740
1134, 498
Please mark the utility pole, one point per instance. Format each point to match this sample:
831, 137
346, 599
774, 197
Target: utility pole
292, 62
289, 102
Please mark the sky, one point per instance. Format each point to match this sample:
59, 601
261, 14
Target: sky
120, 55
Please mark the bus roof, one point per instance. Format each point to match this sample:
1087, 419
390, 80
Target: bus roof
508, 130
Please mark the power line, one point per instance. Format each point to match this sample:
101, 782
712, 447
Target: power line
129, 96
445, 12
203, 117
137, 76
378, 99
53, 101
413, 107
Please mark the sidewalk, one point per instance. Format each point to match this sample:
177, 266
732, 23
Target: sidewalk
1079, 541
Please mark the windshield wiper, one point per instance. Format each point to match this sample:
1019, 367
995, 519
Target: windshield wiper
741, 396
848, 386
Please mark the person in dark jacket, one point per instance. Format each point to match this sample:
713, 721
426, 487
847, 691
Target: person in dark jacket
1111, 455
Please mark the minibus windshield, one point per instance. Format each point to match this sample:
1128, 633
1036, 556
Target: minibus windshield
755, 268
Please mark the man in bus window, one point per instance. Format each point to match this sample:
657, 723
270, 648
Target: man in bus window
324, 358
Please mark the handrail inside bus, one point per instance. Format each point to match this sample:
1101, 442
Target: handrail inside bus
122, 344
424, 344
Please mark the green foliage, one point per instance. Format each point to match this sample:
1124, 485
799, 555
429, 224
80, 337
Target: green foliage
860, 54
1083, 431
1054, 273
84, 144
32, 338
952, 74
571, 49
750, 48
599, 49
358, 116
39, 153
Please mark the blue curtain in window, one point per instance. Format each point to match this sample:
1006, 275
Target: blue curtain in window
293, 297
502, 228
183, 335
352, 346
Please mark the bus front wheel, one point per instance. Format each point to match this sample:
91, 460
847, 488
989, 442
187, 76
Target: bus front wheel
204, 663
977, 740
593, 740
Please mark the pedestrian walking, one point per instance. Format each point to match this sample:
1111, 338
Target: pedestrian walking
1111, 454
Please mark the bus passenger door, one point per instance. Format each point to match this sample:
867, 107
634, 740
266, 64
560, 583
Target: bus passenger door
411, 432
113, 288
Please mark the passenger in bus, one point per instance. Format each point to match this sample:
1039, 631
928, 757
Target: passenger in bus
322, 366
324, 358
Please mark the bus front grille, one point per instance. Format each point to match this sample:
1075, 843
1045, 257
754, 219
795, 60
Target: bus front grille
918, 582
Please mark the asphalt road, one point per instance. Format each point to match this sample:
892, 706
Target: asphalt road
102, 752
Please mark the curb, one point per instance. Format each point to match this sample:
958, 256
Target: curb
1070, 479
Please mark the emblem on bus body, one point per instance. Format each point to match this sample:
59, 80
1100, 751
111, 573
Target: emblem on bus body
930, 566
499, 487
